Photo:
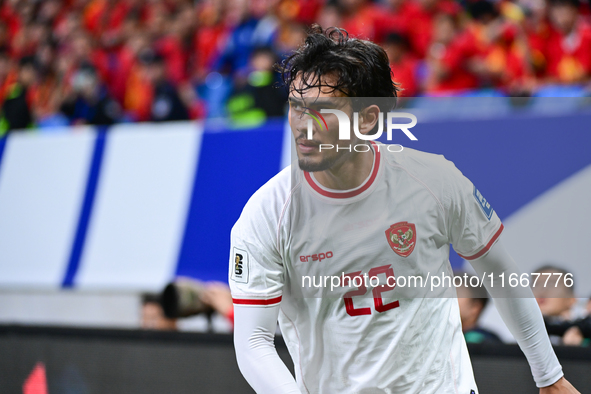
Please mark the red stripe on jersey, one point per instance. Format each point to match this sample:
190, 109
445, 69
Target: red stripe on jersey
245, 301
352, 193
487, 247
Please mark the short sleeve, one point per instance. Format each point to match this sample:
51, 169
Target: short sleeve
472, 224
256, 272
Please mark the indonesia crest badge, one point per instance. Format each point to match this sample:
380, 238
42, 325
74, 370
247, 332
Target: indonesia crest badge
402, 238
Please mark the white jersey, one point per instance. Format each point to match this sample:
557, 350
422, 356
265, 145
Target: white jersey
399, 223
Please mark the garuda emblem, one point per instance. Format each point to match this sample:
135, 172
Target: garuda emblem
402, 238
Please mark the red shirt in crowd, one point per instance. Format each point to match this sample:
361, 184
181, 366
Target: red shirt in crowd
404, 74
420, 23
102, 16
569, 56
175, 57
207, 45
393, 21
537, 36
362, 23
454, 61
503, 58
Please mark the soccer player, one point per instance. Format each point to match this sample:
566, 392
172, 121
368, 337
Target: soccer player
364, 212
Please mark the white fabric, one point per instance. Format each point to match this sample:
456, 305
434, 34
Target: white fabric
414, 346
521, 314
255, 351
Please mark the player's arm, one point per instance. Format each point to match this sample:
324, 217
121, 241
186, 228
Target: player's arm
254, 335
474, 230
256, 277
520, 312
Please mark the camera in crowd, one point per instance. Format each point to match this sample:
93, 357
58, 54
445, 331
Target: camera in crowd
184, 298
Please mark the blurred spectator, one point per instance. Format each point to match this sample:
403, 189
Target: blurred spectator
186, 297
257, 97
568, 48
209, 36
206, 46
173, 45
554, 297
498, 59
402, 64
165, 104
290, 37
153, 316
49, 93
256, 27
16, 112
4, 39
218, 296
127, 84
330, 15
195, 106
394, 18
556, 301
421, 20
7, 75
83, 51
472, 301
89, 102
449, 58
307, 10
537, 30
359, 18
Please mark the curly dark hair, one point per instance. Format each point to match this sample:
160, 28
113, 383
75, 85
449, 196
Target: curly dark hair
362, 67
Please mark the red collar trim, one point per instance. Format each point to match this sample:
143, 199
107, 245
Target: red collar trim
352, 193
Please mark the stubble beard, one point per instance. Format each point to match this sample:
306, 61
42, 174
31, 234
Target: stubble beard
323, 165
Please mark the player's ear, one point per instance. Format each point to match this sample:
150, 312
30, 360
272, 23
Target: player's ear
368, 118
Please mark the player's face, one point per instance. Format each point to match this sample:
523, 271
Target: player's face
311, 157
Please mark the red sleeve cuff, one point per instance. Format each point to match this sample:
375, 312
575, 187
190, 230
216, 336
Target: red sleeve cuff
487, 247
254, 301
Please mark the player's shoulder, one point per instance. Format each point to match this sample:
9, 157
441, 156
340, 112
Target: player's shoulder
271, 199
433, 172
423, 165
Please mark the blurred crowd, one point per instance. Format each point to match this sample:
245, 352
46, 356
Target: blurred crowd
183, 302
567, 322
100, 62
567, 318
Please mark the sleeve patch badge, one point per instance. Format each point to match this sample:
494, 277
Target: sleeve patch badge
484, 205
240, 273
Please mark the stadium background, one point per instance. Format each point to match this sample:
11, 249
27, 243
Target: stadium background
132, 133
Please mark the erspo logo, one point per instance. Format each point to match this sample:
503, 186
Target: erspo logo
316, 257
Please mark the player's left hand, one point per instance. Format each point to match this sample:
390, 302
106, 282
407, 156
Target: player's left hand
562, 386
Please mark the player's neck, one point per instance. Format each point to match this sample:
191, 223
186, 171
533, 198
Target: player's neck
349, 174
